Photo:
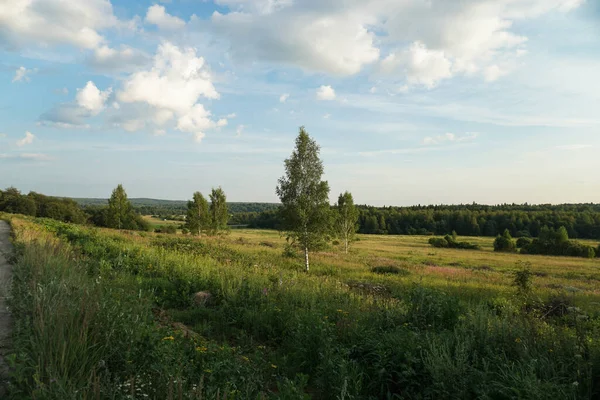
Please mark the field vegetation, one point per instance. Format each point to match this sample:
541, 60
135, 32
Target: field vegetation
393, 318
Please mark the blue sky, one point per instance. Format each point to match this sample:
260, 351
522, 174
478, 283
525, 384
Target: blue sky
412, 101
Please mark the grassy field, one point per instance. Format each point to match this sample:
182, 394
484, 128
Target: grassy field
395, 318
159, 222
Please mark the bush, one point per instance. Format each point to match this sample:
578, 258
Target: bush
522, 278
389, 269
504, 243
523, 241
451, 242
557, 243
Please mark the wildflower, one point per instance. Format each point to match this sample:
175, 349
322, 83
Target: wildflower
168, 338
262, 347
265, 291
201, 349
273, 366
208, 371
245, 358
518, 340
340, 310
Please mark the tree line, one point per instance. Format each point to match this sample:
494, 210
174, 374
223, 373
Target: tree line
580, 221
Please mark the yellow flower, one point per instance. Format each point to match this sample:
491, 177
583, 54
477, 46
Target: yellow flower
168, 338
208, 371
245, 358
262, 347
273, 366
340, 310
201, 349
518, 340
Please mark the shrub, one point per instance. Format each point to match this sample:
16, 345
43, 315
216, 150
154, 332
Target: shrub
522, 278
451, 242
523, 241
389, 269
504, 243
557, 243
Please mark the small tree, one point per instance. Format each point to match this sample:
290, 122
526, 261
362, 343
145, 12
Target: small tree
119, 209
218, 210
304, 196
346, 218
505, 242
197, 216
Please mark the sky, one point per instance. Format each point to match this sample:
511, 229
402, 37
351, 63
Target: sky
411, 101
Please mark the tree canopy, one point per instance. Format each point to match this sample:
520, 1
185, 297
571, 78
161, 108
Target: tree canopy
304, 196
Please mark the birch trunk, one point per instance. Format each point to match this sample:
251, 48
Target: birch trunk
306, 259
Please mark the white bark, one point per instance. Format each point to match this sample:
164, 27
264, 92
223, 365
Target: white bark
306, 259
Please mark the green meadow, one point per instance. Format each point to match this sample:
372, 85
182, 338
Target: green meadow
113, 314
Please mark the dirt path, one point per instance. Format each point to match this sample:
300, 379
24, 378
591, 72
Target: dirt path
5, 319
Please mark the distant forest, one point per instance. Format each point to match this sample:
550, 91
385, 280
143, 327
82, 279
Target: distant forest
169, 208
581, 221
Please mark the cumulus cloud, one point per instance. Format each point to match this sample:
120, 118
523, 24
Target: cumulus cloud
325, 93
28, 139
66, 116
173, 87
424, 41
21, 75
419, 65
450, 138
53, 22
105, 58
91, 98
158, 16
283, 98
338, 43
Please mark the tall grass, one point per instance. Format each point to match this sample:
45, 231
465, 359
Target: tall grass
98, 312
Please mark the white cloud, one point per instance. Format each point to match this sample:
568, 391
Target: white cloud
91, 98
325, 93
239, 130
338, 43
65, 116
222, 122
54, 22
172, 87
326, 116
283, 98
493, 72
373, 90
231, 116
160, 132
450, 138
158, 16
427, 40
176, 81
28, 139
133, 125
105, 58
420, 65
21, 75
162, 116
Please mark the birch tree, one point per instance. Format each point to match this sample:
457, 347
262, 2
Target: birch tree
304, 196
219, 215
197, 217
346, 219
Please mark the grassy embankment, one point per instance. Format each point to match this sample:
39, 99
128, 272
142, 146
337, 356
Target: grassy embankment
103, 314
